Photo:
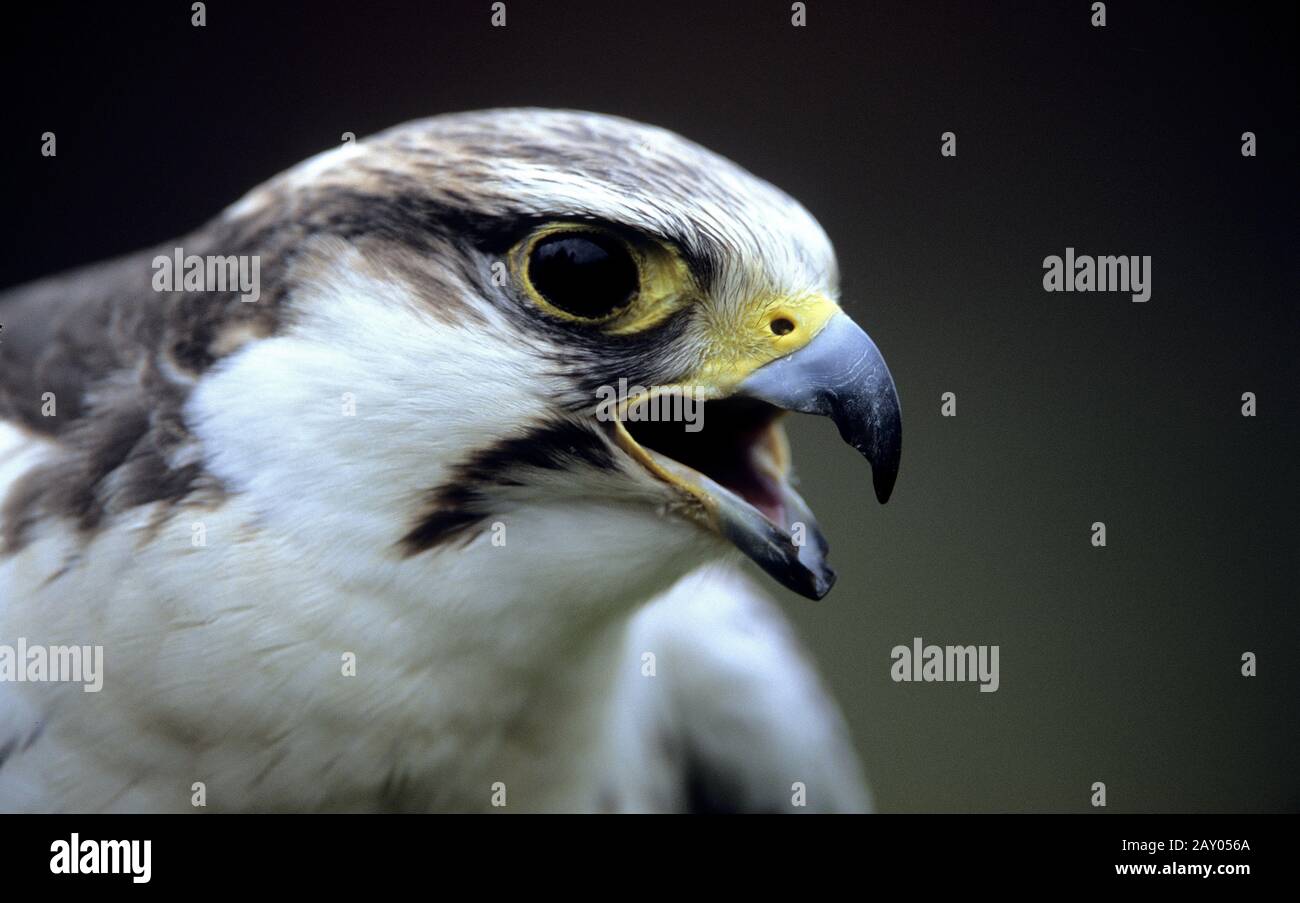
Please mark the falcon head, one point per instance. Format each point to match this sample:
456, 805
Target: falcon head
471, 327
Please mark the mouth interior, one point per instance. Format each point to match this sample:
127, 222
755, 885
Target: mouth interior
735, 447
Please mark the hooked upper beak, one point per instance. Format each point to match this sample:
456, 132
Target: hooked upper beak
734, 474
842, 374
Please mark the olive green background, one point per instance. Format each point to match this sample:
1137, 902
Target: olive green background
1119, 664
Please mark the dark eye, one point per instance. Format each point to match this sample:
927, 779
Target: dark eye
584, 274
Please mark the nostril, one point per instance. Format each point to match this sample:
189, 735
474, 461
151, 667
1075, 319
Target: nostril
782, 326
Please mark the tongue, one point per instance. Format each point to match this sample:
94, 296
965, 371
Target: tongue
750, 480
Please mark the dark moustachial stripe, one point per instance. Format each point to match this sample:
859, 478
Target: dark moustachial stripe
459, 505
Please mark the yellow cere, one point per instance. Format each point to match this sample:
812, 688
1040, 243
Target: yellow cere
739, 342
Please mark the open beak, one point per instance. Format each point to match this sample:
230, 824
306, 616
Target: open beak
733, 470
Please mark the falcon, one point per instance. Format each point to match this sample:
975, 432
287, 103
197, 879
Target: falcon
372, 536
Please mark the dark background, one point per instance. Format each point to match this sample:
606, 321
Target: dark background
1119, 664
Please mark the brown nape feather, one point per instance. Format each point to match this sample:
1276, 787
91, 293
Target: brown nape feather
102, 364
